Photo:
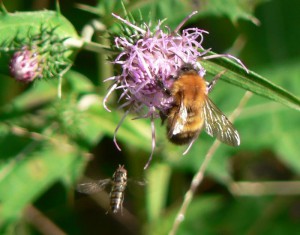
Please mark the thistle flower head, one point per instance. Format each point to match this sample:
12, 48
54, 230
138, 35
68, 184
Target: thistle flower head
149, 59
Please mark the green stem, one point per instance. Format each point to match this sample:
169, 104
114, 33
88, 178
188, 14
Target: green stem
3, 9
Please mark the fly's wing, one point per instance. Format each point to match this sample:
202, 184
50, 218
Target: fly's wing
217, 125
93, 186
179, 119
134, 186
142, 182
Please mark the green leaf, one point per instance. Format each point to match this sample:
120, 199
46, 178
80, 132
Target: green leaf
251, 81
157, 186
233, 9
26, 101
276, 126
21, 182
20, 23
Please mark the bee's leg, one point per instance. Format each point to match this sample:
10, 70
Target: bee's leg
190, 145
213, 82
163, 117
160, 83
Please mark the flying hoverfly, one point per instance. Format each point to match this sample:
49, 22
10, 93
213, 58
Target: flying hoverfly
118, 184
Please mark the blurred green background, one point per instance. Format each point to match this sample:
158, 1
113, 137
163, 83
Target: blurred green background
47, 145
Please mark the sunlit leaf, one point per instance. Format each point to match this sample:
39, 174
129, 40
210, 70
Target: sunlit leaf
233, 9
251, 81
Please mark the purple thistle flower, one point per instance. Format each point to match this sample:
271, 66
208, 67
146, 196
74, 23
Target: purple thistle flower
155, 56
149, 60
24, 65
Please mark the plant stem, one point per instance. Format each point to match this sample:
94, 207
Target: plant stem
42, 223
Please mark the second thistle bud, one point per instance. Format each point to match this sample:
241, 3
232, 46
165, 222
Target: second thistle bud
25, 65
39, 48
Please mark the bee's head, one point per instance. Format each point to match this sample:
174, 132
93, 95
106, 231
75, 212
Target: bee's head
187, 69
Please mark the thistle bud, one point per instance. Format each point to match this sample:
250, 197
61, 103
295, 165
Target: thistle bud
25, 65
41, 54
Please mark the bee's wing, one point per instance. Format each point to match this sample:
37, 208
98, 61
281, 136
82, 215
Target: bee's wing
216, 124
179, 119
93, 186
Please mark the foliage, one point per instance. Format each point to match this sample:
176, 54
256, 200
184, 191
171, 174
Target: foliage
46, 143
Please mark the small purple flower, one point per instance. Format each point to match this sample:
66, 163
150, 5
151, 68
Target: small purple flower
149, 59
24, 65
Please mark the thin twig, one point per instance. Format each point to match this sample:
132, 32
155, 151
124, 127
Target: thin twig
60, 80
126, 218
200, 174
258, 189
42, 223
23, 132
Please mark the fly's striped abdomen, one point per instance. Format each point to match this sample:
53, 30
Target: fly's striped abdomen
118, 188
